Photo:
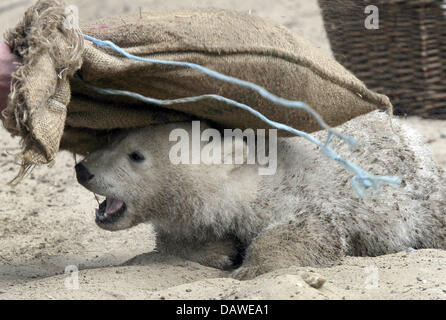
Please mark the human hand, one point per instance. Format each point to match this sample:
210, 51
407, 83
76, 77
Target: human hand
7, 67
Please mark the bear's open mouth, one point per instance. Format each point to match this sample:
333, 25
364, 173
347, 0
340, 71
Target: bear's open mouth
110, 210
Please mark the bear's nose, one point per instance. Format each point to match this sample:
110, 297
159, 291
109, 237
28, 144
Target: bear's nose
82, 173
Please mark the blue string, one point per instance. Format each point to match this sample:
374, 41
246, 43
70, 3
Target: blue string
360, 182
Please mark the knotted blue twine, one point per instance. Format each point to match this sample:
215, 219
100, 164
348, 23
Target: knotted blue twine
362, 179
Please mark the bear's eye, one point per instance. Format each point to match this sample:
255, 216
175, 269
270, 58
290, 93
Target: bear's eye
136, 157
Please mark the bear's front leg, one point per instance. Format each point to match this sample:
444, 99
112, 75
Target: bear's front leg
221, 254
293, 244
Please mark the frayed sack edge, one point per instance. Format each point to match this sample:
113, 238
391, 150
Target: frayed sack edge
39, 33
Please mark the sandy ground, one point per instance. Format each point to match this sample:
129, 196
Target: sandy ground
47, 222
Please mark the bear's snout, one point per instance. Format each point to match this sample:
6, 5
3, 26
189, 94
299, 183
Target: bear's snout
83, 174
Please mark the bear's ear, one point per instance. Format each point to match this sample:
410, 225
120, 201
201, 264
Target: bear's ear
234, 151
228, 149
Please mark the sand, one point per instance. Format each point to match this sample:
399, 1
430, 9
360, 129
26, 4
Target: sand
47, 222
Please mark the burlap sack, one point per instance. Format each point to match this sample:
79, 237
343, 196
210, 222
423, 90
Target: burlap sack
236, 44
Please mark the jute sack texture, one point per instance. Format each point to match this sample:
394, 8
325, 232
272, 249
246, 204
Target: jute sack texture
58, 62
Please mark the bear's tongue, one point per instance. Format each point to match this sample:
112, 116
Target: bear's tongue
113, 206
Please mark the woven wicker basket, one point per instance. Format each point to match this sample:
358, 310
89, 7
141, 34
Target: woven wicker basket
405, 58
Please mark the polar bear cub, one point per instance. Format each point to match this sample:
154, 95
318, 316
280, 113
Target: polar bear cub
306, 214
